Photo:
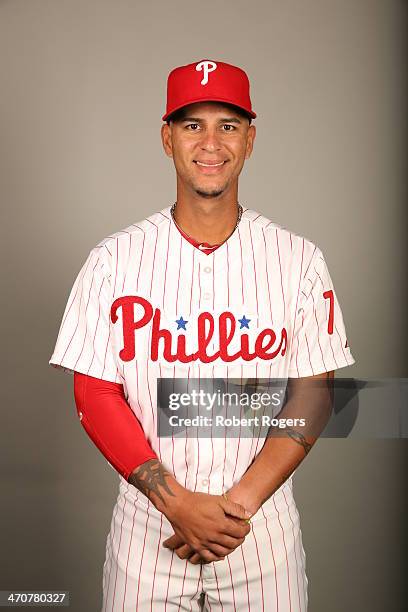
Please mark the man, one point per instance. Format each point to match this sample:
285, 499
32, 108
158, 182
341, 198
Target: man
204, 289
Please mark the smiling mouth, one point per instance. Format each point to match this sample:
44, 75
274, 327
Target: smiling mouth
209, 165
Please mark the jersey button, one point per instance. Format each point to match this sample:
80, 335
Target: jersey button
207, 296
207, 269
204, 482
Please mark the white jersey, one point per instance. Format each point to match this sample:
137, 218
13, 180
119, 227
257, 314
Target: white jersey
148, 304
264, 275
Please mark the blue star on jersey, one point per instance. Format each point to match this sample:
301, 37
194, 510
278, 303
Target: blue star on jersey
181, 323
244, 322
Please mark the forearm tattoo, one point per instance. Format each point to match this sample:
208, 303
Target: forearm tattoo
299, 438
150, 478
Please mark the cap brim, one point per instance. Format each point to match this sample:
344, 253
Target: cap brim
209, 99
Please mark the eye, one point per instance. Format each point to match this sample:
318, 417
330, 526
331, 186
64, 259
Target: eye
190, 124
229, 125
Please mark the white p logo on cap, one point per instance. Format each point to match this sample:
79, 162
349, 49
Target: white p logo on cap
206, 67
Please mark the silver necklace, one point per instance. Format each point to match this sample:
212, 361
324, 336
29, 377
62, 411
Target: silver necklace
240, 211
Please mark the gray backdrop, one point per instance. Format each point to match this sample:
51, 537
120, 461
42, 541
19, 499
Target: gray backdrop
82, 94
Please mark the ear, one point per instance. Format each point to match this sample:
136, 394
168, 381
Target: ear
251, 134
166, 139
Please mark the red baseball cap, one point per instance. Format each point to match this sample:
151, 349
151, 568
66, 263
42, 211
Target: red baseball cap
207, 81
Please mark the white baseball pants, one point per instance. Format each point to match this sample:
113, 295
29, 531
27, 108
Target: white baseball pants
265, 573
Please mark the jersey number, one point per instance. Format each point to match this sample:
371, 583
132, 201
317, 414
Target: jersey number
329, 295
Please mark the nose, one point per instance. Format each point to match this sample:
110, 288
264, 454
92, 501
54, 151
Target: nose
210, 140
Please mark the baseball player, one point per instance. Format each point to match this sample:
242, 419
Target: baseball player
204, 288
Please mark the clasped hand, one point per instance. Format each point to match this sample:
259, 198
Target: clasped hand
207, 527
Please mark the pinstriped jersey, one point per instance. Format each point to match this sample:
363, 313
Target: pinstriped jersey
148, 304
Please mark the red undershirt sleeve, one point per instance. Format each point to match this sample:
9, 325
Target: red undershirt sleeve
110, 423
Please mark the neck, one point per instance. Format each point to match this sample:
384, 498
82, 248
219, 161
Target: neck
207, 221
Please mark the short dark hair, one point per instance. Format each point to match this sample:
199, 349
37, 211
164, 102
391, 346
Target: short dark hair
178, 114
